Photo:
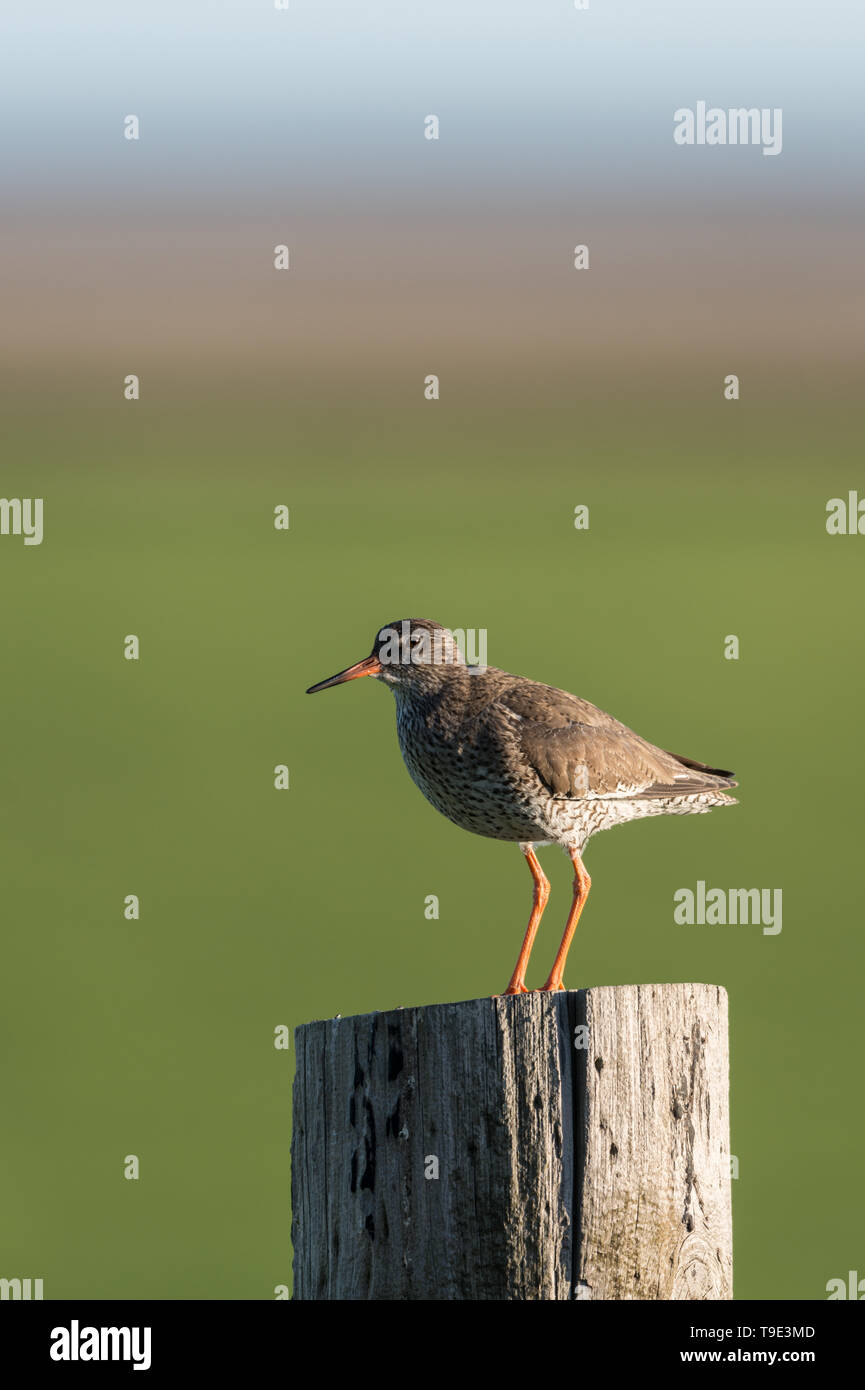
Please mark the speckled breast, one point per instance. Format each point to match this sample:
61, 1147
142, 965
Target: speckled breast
473, 781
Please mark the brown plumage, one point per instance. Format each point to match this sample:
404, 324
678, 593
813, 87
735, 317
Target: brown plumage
512, 759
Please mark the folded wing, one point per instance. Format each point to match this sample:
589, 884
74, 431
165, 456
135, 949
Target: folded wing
579, 751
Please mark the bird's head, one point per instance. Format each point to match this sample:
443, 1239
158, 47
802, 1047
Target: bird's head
411, 654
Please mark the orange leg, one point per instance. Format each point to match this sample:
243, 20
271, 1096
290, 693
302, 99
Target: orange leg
582, 884
539, 902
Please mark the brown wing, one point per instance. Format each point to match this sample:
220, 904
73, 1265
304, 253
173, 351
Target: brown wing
555, 709
577, 749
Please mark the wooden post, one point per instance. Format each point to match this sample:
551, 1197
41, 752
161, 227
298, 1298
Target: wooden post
548, 1146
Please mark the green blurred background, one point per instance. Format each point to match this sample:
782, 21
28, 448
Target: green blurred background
603, 387
261, 908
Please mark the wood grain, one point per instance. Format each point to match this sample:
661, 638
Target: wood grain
473, 1151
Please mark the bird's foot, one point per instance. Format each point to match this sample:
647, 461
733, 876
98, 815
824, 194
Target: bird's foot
515, 987
551, 987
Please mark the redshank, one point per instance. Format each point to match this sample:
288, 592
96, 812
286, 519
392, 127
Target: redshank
511, 759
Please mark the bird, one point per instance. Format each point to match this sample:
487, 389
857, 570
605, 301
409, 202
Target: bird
511, 759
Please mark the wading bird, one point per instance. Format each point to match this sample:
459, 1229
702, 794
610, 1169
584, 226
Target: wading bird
511, 759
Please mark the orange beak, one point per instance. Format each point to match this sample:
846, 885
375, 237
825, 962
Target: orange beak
370, 666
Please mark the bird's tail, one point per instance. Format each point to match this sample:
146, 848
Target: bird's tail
714, 777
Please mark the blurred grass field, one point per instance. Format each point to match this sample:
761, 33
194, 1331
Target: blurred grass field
261, 908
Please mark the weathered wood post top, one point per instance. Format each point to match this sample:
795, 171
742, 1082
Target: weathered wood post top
544, 1146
